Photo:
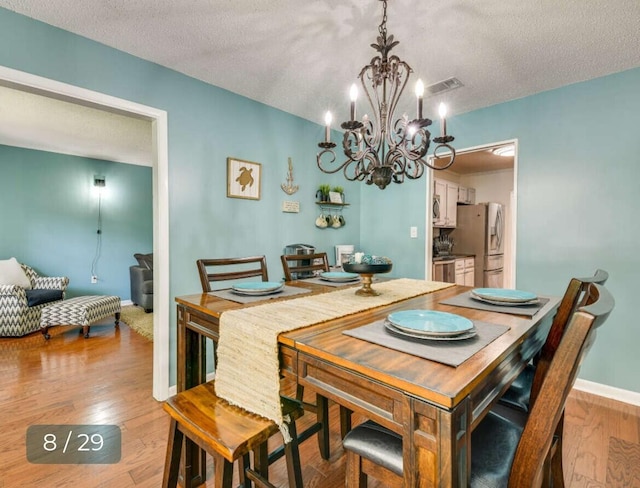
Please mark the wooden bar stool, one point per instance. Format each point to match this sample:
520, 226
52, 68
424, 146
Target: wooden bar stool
228, 433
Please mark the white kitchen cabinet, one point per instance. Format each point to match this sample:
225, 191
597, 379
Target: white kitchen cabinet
465, 269
459, 271
452, 204
439, 202
445, 200
466, 196
462, 194
471, 196
469, 271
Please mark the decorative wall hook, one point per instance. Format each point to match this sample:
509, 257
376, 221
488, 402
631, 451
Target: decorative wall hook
289, 188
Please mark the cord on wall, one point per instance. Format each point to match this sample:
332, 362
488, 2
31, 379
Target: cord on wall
99, 181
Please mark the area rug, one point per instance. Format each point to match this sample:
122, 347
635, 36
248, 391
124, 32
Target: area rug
138, 320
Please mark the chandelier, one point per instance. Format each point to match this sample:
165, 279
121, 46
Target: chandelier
379, 151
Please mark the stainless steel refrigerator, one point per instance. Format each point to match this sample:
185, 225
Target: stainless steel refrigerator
480, 231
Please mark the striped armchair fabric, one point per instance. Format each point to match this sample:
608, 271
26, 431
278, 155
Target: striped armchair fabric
17, 318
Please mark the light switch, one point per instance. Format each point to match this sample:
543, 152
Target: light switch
414, 232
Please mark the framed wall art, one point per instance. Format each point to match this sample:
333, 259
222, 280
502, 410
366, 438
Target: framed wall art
243, 179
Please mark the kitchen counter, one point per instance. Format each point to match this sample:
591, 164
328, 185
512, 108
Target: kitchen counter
452, 256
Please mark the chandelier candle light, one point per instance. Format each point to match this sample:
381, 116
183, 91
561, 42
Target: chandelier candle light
377, 150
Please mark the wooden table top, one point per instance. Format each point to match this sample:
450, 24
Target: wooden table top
439, 383
426, 379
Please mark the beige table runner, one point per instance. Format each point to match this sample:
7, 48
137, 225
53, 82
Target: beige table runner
248, 372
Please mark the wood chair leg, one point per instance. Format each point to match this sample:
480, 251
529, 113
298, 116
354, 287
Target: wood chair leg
172, 458
292, 455
557, 471
323, 418
244, 463
261, 461
355, 477
345, 421
223, 471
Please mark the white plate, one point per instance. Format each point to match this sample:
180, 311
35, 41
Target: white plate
257, 287
465, 335
430, 322
535, 301
504, 295
339, 277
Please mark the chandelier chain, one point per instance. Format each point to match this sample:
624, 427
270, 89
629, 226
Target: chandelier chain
382, 29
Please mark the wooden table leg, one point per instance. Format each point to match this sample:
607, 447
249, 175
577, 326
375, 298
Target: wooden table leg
191, 370
438, 451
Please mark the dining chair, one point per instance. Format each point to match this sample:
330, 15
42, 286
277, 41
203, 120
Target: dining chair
240, 268
307, 265
519, 395
228, 434
503, 453
296, 266
258, 267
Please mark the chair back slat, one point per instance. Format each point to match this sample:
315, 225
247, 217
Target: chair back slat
307, 265
574, 297
547, 412
206, 277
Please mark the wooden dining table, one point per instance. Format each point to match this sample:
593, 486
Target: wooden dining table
434, 406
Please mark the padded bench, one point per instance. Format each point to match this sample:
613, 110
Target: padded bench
82, 311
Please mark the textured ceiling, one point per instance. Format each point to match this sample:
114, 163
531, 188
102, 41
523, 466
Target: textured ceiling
302, 56
47, 124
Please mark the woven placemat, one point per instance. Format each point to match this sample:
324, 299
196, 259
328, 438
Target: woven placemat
287, 291
248, 370
452, 353
465, 300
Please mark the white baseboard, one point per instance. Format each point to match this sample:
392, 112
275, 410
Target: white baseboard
607, 391
124, 303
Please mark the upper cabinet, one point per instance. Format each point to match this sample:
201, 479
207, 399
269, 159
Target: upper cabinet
466, 196
445, 200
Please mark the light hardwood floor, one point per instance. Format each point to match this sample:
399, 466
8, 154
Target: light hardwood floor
106, 379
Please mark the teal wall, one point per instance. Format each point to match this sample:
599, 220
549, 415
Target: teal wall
578, 173
577, 177
206, 125
49, 217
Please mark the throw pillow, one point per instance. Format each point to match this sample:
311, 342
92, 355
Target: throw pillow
11, 273
38, 297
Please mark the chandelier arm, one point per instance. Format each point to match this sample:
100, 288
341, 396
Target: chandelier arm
369, 72
399, 74
351, 138
384, 149
368, 134
435, 156
404, 166
320, 163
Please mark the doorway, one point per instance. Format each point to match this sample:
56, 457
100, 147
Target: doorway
494, 178
158, 118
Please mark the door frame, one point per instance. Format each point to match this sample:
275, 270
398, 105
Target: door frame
431, 174
160, 183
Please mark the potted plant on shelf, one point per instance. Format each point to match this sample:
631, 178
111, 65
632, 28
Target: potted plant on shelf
323, 193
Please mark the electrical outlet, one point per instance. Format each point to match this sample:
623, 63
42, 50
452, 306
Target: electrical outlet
94, 279
413, 232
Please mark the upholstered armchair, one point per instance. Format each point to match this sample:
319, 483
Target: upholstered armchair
20, 307
141, 278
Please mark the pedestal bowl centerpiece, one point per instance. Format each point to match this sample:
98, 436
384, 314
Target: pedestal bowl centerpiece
366, 266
